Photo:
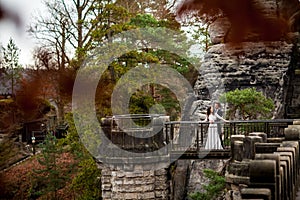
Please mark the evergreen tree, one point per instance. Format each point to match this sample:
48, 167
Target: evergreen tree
10, 61
86, 183
51, 177
249, 103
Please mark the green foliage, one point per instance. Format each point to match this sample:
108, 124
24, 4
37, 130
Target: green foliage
144, 20
250, 103
140, 103
213, 189
10, 62
200, 34
50, 178
86, 183
71, 141
143, 102
110, 19
144, 99
170, 103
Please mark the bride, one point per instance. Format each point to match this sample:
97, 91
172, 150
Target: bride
213, 140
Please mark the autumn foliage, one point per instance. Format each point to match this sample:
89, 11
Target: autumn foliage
244, 16
16, 183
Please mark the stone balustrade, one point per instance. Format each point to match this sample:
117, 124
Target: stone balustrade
265, 168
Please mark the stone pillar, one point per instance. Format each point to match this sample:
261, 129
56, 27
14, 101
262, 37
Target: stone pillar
276, 157
238, 151
286, 179
295, 145
283, 179
263, 175
260, 134
249, 146
132, 185
292, 132
233, 139
289, 153
292, 137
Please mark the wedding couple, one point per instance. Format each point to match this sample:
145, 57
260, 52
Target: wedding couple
214, 133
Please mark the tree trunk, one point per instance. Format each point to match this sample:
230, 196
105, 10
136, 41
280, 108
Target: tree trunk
60, 112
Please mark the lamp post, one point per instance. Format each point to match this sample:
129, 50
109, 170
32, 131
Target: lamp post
33, 144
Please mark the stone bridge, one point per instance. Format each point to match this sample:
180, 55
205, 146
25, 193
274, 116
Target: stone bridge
256, 165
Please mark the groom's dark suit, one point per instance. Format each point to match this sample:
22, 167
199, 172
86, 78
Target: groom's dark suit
219, 128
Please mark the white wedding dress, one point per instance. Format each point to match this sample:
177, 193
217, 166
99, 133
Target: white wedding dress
213, 140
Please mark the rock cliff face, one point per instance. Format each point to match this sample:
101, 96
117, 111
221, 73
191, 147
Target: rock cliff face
265, 66
271, 67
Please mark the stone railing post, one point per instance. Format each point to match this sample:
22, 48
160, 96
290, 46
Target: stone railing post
270, 165
263, 175
249, 146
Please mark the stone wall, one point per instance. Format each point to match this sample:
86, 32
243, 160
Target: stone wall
143, 184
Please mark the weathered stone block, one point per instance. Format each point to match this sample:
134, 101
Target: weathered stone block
262, 171
145, 180
120, 184
237, 180
127, 181
106, 186
276, 157
256, 193
291, 133
161, 194
149, 195
275, 140
284, 181
289, 151
263, 175
266, 147
259, 134
130, 196
239, 168
296, 122
295, 145
234, 138
249, 146
285, 163
160, 172
106, 195
238, 151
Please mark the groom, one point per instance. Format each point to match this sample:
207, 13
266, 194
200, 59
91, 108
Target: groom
218, 110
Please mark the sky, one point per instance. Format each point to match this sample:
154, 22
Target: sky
26, 10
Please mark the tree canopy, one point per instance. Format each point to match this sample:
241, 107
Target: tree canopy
248, 104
